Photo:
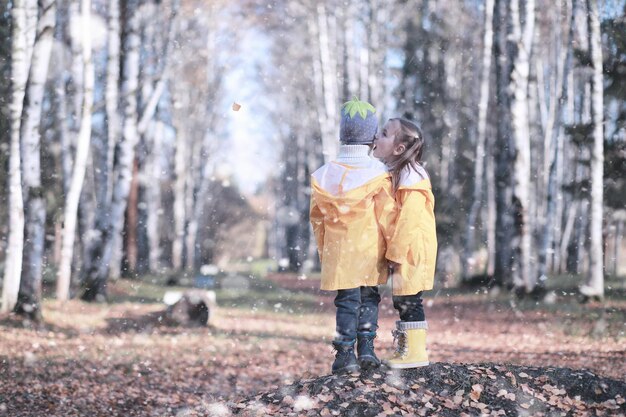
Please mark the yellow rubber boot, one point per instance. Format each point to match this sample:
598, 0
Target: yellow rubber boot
410, 337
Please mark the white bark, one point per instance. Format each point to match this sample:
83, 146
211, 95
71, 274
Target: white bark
491, 214
154, 197
594, 285
76, 85
20, 61
80, 164
318, 81
112, 89
29, 297
330, 112
479, 160
379, 11
195, 163
65, 141
351, 68
179, 201
364, 63
521, 133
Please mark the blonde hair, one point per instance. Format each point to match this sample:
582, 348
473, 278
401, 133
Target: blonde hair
411, 136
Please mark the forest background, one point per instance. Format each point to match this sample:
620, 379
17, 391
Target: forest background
166, 141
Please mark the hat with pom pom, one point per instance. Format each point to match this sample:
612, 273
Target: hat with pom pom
358, 123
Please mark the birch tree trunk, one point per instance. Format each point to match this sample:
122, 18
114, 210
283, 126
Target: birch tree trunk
80, 164
75, 87
479, 160
594, 286
379, 12
523, 34
29, 296
64, 134
491, 214
328, 95
110, 258
179, 202
351, 76
111, 91
154, 198
20, 63
191, 222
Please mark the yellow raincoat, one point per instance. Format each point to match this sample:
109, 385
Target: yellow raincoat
414, 241
352, 211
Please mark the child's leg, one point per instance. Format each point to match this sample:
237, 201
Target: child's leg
410, 307
368, 314
348, 304
410, 333
368, 324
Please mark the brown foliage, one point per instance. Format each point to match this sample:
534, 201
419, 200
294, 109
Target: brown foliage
125, 359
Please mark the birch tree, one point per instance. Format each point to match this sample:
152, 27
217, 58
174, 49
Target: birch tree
479, 161
179, 202
594, 285
522, 33
80, 162
20, 64
29, 296
321, 26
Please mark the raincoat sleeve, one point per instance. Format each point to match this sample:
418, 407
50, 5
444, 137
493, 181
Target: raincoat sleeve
414, 239
317, 221
386, 212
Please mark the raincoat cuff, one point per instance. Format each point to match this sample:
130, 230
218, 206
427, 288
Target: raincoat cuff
396, 256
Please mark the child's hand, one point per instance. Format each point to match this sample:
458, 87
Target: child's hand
394, 268
393, 265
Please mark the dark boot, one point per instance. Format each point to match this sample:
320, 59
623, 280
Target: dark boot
345, 360
365, 350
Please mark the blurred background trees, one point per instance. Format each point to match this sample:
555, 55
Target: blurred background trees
119, 133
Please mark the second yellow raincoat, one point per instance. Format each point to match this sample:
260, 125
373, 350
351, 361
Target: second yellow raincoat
352, 211
414, 241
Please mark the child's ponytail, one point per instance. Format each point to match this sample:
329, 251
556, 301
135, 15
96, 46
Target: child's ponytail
411, 136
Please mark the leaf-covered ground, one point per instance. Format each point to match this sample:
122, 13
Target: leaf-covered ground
446, 390
268, 350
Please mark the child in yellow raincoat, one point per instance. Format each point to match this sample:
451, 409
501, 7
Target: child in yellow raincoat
412, 250
352, 210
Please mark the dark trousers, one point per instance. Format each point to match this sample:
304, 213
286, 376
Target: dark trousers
357, 312
410, 307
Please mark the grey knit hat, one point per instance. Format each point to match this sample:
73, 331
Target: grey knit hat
358, 123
